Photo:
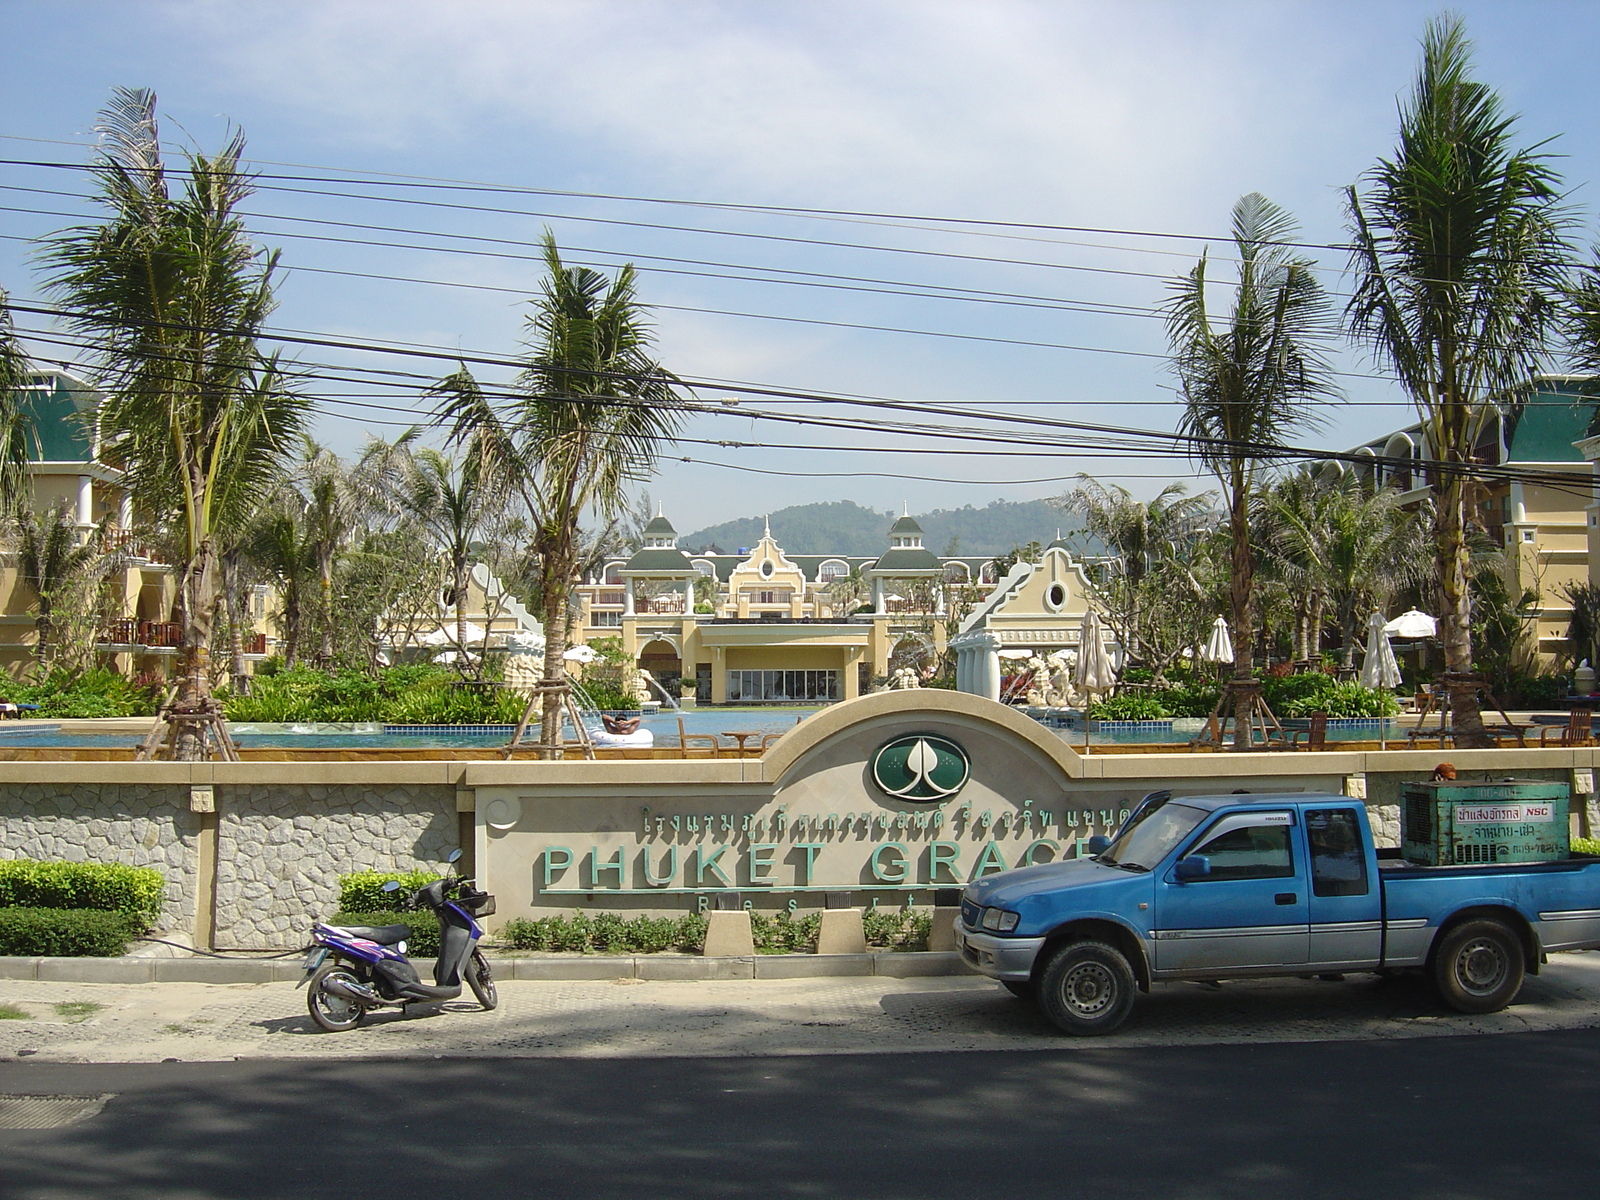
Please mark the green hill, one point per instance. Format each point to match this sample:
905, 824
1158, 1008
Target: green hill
844, 527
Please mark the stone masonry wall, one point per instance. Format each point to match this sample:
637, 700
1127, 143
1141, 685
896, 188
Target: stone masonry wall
136, 824
281, 850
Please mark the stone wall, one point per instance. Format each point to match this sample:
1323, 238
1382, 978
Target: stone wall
139, 825
282, 849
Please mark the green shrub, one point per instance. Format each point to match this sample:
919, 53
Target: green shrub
83, 695
1312, 692
1189, 700
424, 939
66, 932
607, 933
111, 887
905, 929
363, 891
1127, 708
608, 696
415, 694
782, 933
1586, 845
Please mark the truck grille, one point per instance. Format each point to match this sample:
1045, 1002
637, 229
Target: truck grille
971, 913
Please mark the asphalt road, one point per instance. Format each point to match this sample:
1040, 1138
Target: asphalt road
1432, 1118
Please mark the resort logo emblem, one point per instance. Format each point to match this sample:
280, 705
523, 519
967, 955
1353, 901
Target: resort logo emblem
921, 766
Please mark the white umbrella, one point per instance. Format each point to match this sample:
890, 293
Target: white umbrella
1412, 624
580, 654
1379, 670
1219, 646
1094, 672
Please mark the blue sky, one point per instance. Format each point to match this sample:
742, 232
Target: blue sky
1135, 116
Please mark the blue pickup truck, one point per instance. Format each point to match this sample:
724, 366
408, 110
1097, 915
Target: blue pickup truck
1245, 886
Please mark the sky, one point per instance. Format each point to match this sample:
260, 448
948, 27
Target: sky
1145, 118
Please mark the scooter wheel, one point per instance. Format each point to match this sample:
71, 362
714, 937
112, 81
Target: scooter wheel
481, 981
332, 1012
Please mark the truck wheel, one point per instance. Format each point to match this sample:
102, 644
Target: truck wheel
1478, 967
1087, 989
1022, 989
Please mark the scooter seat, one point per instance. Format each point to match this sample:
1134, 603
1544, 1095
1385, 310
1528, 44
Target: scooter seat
384, 935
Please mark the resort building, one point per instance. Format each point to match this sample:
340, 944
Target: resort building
766, 625
1547, 528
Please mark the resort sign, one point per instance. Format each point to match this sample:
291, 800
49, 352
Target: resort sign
920, 767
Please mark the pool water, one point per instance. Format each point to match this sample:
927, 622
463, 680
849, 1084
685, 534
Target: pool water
371, 735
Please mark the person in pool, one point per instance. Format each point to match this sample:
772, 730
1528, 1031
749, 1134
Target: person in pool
619, 724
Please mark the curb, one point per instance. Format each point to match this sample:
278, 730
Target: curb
889, 964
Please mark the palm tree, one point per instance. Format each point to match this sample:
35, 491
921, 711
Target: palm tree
54, 561
460, 504
584, 420
1353, 546
277, 546
1245, 382
16, 431
173, 295
1460, 258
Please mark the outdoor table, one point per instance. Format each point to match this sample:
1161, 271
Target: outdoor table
742, 738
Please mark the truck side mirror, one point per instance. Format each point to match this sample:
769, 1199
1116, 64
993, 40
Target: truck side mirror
1098, 844
1196, 866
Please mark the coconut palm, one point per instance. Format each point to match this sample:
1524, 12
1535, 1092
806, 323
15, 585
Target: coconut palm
1353, 546
172, 295
1246, 380
583, 422
55, 560
277, 547
1460, 259
16, 431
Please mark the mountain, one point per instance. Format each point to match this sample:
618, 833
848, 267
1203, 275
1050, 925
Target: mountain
844, 527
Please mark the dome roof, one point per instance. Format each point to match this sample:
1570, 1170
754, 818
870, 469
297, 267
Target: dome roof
659, 527
906, 524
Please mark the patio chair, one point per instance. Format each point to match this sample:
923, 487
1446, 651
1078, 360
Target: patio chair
1315, 734
1578, 731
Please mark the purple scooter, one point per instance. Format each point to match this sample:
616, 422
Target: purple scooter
353, 969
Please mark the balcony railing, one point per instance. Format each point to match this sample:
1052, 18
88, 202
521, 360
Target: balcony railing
158, 634
661, 604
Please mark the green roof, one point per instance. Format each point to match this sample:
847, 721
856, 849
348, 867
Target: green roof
660, 527
1556, 415
905, 525
908, 560
60, 425
675, 562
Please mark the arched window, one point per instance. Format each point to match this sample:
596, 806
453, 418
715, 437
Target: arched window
832, 569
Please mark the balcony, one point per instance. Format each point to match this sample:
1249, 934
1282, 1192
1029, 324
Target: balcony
162, 637
122, 544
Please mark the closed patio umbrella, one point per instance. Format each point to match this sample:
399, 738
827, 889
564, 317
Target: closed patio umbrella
1219, 646
1379, 669
1094, 672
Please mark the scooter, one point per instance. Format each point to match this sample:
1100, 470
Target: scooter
353, 969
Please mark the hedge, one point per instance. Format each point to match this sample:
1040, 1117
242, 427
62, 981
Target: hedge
136, 892
424, 939
779, 933
66, 932
363, 891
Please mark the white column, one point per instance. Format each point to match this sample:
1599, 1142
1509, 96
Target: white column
688, 596
986, 650
627, 597
877, 594
85, 500
125, 511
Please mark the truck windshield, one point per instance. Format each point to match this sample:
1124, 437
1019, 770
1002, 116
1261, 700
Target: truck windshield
1154, 831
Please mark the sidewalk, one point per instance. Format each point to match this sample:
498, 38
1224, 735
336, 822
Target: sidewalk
632, 1017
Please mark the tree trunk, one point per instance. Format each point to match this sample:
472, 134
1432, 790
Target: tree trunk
325, 582
235, 610
44, 628
1241, 594
1314, 633
1455, 618
555, 639
198, 592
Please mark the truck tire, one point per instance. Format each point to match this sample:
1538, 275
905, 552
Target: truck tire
1478, 967
1087, 989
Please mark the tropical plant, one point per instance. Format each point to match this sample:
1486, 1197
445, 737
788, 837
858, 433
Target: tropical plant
1583, 627
172, 295
55, 561
1341, 541
1245, 383
16, 430
1460, 264
583, 422
276, 545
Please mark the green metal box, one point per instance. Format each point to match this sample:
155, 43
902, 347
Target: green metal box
1495, 821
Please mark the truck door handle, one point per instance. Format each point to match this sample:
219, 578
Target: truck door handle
1285, 898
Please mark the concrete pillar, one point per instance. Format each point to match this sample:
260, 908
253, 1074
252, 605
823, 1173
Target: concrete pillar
986, 662
125, 511
942, 932
877, 594
719, 675
841, 932
728, 933
627, 598
688, 596
85, 500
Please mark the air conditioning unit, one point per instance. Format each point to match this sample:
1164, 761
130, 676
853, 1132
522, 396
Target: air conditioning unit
1493, 821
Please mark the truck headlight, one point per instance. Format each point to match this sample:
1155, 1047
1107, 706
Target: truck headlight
999, 920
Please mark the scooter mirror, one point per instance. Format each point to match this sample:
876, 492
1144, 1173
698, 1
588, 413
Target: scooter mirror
390, 886
455, 855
